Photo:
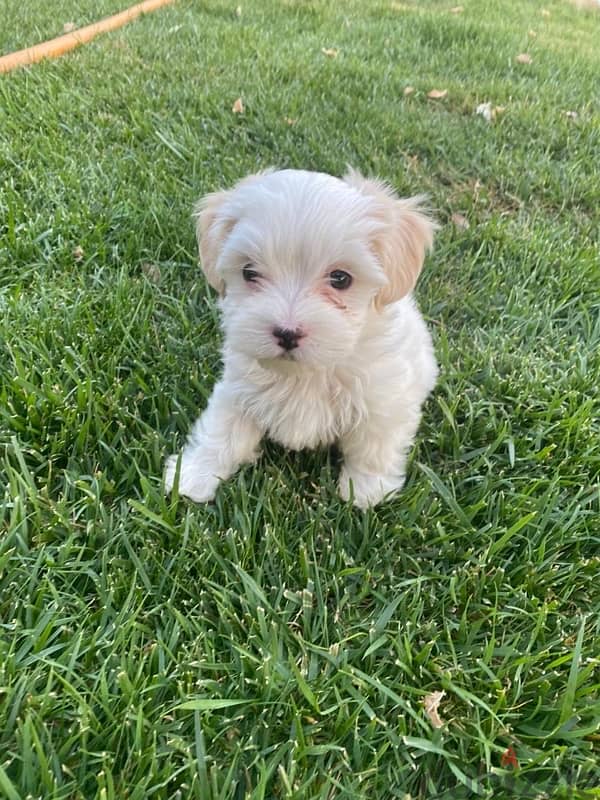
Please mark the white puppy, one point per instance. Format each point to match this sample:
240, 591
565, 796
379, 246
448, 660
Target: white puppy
323, 341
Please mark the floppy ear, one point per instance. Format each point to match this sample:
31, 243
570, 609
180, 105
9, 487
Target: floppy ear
212, 228
401, 241
214, 224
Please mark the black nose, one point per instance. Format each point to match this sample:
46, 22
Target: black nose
286, 338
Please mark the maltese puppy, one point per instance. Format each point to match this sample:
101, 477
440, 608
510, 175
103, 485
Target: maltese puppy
323, 340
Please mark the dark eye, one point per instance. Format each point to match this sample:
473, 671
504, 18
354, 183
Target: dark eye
340, 279
250, 274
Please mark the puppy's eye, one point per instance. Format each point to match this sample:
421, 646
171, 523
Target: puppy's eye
340, 279
250, 274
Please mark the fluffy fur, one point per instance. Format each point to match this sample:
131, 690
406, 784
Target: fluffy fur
364, 363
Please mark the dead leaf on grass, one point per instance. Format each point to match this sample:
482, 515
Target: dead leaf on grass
151, 271
408, 90
524, 58
238, 106
586, 5
431, 704
460, 222
330, 52
437, 94
509, 759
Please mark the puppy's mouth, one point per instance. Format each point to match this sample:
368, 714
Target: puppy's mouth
277, 359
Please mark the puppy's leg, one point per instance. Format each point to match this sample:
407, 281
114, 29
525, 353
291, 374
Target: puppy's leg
375, 455
221, 440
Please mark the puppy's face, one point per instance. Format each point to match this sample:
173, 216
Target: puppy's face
301, 259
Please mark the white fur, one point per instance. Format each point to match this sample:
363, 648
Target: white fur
365, 363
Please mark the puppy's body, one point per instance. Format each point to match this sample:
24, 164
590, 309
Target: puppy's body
307, 362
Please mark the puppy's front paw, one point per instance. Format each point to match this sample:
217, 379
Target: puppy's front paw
366, 489
194, 481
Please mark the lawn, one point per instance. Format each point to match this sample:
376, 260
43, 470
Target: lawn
279, 643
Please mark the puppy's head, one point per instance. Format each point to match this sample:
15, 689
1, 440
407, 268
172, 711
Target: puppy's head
302, 259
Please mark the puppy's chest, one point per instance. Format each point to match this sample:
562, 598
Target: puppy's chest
301, 412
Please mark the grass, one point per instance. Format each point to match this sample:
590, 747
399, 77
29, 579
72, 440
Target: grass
278, 643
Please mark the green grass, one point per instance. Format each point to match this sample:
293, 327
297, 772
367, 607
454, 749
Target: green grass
278, 643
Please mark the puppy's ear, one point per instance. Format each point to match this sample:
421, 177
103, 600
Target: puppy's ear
212, 227
214, 223
401, 241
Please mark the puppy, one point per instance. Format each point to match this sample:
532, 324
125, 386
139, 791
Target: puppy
323, 340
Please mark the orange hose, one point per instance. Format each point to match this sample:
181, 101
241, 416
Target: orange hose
62, 44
